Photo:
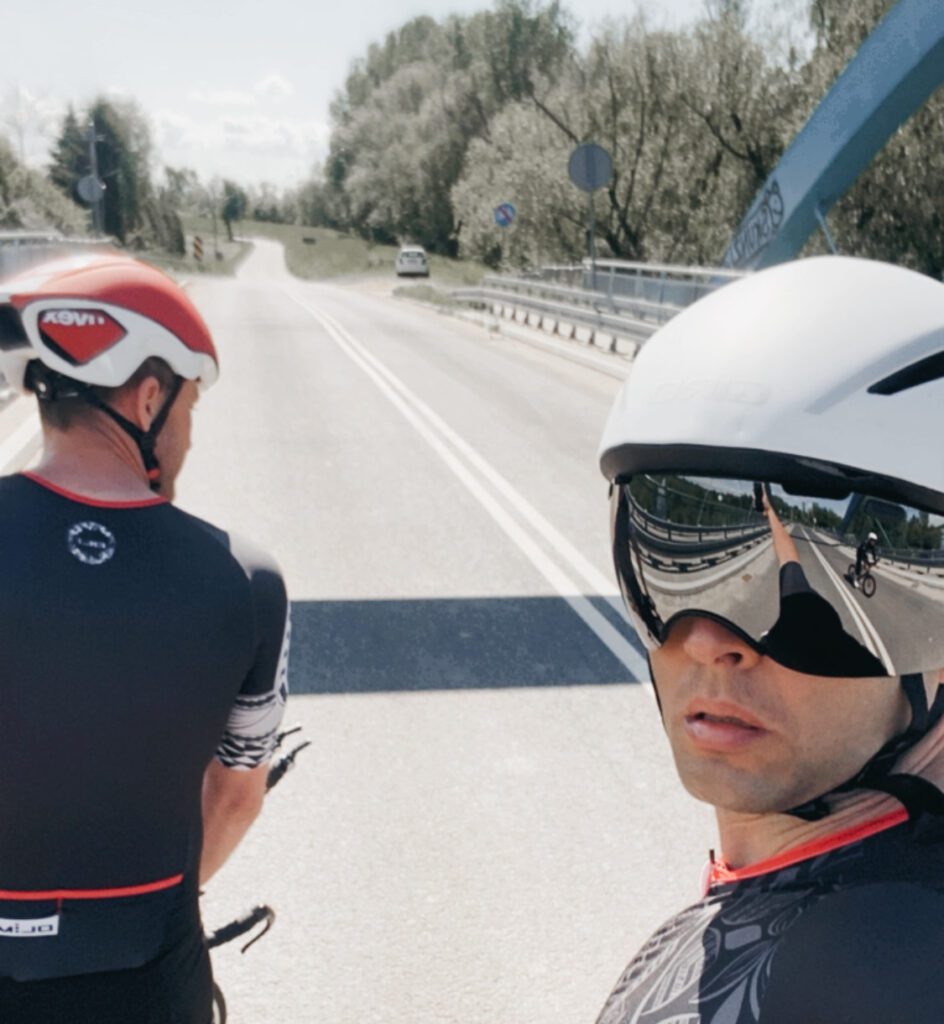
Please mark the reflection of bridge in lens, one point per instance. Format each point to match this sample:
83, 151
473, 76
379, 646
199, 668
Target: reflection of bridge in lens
686, 548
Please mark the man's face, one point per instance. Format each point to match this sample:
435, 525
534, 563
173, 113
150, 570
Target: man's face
751, 736
173, 442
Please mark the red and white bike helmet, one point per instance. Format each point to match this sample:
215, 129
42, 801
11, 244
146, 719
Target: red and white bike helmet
97, 318
92, 321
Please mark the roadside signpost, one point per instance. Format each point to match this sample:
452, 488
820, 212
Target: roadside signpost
591, 167
91, 188
505, 215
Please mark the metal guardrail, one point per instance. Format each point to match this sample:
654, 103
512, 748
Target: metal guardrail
20, 250
555, 313
630, 300
915, 558
602, 302
702, 546
662, 284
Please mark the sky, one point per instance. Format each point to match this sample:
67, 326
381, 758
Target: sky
238, 89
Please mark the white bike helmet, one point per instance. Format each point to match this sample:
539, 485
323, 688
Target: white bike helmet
809, 394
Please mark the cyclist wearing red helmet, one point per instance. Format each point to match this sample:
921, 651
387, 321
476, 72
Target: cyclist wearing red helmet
144, 658
759, 434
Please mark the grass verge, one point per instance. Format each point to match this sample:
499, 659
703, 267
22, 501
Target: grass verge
314, 253
426, 293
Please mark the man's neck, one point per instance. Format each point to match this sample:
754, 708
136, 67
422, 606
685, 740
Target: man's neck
94, 461
750, 838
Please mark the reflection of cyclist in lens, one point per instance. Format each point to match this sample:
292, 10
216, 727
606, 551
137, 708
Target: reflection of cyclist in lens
866, 555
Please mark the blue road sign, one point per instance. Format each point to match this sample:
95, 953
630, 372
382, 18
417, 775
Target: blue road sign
505, 214
590, 167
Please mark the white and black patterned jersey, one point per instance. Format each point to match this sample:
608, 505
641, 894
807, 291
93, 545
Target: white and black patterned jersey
851, 934
137, 643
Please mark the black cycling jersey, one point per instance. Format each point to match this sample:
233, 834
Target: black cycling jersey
137, 643
848, 935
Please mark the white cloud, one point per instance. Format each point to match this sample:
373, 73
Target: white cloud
30, 122
239, 142
248, 147
223, 98
274, 87
121, 93
172, 131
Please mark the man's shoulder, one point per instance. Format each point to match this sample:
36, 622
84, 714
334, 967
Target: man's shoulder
251, 557
830, 939
256, 563
870, 952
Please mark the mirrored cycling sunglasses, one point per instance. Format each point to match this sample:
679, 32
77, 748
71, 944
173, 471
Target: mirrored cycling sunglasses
789, 568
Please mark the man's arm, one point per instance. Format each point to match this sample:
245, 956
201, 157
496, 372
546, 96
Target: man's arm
232, 799
785, 547
234, 784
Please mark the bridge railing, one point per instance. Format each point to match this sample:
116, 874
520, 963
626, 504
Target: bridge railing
20, 250
619, 300
663, 284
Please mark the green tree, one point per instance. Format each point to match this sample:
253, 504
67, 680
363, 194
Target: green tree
124, 154
183, 189
638, 93
29, 201
404, 121
69, 158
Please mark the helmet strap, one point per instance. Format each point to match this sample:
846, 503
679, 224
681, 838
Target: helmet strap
145, 439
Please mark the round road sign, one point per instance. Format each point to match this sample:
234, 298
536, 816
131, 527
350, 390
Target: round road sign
590, 167
90, 189
505, 214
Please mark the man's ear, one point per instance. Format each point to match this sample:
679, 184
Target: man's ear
147, 401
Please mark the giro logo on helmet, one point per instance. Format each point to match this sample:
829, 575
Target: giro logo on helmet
79, 335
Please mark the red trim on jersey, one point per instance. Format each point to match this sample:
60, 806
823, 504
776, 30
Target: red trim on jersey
720, 873
91, 894
83, 499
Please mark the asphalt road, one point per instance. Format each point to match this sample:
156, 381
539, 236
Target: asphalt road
487, 824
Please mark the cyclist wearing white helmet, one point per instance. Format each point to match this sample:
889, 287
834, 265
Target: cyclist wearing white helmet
758, 435
866, 555
144, 658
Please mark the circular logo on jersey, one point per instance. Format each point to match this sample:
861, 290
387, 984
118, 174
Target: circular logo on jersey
91, 543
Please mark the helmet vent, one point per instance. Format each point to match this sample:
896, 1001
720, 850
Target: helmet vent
922, 372
12, 335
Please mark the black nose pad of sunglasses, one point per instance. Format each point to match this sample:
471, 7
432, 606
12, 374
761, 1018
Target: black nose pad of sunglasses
808, 637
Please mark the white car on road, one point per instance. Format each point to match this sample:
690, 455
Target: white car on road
411, 259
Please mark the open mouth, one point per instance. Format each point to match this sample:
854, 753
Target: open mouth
703, 716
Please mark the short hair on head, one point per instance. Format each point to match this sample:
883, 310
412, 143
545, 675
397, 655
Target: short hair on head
62, 413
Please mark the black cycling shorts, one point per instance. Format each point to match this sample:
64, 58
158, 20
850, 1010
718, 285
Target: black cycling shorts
176, 988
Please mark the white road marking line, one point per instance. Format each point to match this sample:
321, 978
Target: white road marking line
604, 586
414, 411
13, 449
869, 633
